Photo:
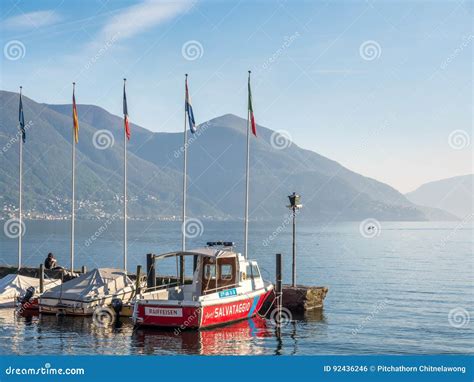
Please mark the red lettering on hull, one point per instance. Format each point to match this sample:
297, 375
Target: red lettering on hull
199, 317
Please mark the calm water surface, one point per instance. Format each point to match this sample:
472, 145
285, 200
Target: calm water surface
409, 289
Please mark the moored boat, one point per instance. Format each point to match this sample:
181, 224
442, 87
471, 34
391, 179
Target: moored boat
225, 287
82, 295
14, 287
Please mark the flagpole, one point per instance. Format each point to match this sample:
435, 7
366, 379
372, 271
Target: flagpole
20, 211
73, 187
124, 192
185, 170
246, 231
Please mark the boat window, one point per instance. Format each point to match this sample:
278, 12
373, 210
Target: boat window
226, 272
255, 271
210, 271
249, 271
252, 271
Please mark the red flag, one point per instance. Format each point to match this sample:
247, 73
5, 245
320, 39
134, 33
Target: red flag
125, 113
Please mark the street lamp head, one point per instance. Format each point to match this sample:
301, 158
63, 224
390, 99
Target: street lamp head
295, 200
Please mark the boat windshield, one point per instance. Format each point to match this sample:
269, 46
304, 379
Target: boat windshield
218, 274
206, 274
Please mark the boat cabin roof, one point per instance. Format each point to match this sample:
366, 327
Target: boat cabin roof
202, 252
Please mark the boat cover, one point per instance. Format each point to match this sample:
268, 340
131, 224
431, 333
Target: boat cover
13, 285
92, 285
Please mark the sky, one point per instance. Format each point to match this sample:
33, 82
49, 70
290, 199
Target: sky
382, 87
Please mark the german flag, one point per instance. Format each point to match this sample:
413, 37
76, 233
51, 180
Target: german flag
75, 119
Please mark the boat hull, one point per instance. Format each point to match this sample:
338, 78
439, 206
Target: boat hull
81, 308
31, 305
197, 315
28, 307
8, 303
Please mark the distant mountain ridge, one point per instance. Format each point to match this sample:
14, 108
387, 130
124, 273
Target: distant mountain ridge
216, 171
454, 195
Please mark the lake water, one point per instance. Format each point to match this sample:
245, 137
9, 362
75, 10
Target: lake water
401, 288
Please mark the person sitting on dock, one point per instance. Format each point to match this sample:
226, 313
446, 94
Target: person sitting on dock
50, 262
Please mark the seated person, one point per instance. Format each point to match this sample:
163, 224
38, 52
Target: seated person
50, 262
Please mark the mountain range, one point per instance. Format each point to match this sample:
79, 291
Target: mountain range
216, 171
454, 195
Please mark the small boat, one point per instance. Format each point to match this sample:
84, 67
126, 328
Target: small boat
225, 287
82, 295
14, 287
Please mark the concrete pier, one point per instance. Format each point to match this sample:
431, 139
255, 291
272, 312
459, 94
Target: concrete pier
302, 298
36, 273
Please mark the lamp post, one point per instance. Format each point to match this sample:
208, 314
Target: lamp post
295, 204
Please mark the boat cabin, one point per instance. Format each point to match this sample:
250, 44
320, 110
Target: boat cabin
217, 270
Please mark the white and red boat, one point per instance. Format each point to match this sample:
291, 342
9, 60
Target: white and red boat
225, 288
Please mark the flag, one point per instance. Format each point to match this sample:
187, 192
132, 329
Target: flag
252, 117
189, 109
21, 119
75, 119
125, 113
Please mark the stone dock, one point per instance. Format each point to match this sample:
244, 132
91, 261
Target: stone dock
302, 298
35, 272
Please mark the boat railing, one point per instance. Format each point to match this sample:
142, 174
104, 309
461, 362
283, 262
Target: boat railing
162, 286
177, 283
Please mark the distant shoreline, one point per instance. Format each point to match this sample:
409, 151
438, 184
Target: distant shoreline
230, 220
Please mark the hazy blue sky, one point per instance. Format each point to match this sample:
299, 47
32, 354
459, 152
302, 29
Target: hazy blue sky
385, 88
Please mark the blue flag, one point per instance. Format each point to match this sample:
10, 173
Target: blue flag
189, 109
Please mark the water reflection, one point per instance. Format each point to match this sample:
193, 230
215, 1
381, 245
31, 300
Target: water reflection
243, 337
50, 334
287, 335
